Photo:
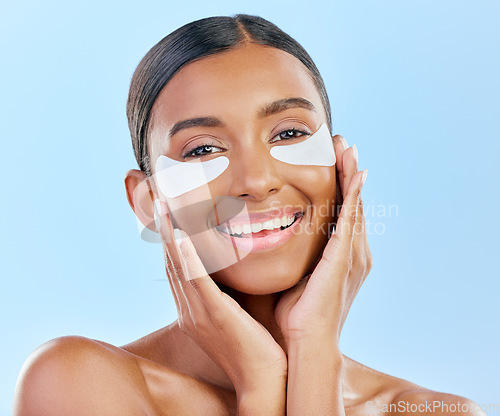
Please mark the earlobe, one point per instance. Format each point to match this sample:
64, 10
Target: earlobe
140, 197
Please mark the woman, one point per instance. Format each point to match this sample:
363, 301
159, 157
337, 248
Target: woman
262, 225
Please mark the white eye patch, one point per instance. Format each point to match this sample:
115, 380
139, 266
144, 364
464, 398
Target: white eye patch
175, 178
316, 150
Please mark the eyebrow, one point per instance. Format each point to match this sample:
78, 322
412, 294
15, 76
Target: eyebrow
194, 122
268, 110
285, 104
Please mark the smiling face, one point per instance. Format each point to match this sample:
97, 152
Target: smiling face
239, 105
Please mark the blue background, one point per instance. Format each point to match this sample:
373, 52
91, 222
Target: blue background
414, 84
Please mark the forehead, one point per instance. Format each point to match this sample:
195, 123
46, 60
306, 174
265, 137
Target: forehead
234, 85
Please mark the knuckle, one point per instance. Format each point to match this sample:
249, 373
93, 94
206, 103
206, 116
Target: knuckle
361, 209
203, 327
348, 263
218, 318
169, 273
186, 324
177, 270
195, 283
357, 194
353, 216
181, 323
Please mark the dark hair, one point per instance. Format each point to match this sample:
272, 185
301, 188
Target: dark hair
194, 41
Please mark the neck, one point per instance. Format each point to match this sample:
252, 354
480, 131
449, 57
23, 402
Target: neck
261, 308
192, 360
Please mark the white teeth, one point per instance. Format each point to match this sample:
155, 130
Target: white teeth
256, 227
268, 225
247, 229
284, 221
273, 224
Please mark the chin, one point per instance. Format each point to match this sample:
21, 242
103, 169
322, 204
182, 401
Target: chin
264, 277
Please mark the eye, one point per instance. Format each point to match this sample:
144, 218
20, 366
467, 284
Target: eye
202, 150
289, 134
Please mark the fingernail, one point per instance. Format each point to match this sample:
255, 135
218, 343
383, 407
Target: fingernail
363, 178
159, 208
344, 143
157, 221
179, 235
355, 151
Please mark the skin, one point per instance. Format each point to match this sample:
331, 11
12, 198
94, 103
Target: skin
268, 342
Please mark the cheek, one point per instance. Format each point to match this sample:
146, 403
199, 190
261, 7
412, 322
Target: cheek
323, 192
197, 213
190, 212
317, 183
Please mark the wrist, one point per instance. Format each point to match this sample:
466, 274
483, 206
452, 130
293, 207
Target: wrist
321, 341
265, 395
315, 376
261, 383
315, 351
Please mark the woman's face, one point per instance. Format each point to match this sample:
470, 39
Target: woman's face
245, 101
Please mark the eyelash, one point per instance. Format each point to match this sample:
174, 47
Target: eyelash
295, 131
191, 153
204, 146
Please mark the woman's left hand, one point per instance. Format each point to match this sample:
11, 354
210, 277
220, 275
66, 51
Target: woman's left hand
317, 306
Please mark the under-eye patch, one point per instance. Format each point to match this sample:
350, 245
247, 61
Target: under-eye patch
175, 178
316, 150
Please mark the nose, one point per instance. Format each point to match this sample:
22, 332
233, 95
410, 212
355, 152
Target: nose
254, 173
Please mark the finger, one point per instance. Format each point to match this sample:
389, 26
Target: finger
207, 290
340, 146
359, 226
365, 247
338, 253
340, 153
359, 230
197, 310
173, 262
343, 236
350, 167
359, 239
358, 250
170, 277
189, 272
161, 210
361, 254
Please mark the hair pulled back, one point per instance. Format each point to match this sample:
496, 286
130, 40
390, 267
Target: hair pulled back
192, 42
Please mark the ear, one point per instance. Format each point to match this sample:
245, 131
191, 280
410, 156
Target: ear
140, 197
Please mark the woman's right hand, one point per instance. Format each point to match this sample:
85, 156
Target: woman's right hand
236, 342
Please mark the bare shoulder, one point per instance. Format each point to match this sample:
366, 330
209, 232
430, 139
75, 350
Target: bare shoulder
75, 376
79, 376
381, 394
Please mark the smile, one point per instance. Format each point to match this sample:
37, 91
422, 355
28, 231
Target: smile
260, 231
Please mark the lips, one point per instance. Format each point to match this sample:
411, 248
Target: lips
261, 231
260, 224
